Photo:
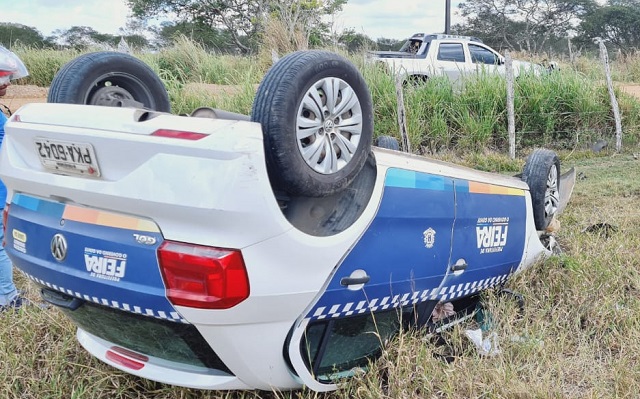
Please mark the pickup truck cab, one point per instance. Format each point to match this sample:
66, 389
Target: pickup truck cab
426, 55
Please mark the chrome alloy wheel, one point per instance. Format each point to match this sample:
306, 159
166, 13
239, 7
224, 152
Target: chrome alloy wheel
329, 125
551, 195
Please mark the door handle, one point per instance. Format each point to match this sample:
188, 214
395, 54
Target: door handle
356, 280
347, 281
459, 266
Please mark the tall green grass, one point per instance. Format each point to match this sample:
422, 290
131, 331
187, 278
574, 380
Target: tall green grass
43, 64
383, 96
187, 61
562, 109
568, 108
624, 67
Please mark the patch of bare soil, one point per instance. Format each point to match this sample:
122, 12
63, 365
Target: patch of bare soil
19, 95
631, 89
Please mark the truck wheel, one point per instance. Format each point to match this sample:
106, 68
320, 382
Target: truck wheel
415, 81
541, 172
387, 142
317, 119
110, 79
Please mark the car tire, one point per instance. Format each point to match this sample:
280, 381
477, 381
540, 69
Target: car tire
315, 143
542, 173
109, 78
415, 81
387, 142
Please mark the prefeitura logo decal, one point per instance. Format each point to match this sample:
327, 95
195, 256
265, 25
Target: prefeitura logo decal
429, 237
492, 234
106, 265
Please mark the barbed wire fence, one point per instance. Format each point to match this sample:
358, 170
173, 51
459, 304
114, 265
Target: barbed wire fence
588, 130
604, 58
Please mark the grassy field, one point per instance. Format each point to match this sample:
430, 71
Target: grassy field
580, 333
579, 337
568, 109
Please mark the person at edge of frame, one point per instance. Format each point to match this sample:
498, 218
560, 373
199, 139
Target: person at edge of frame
11, 68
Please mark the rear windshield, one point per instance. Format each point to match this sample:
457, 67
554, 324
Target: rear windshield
176, 342
411, 46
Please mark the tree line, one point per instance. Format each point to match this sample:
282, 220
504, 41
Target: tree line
544, 26
243, 26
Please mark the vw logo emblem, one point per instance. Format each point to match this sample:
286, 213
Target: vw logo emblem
59, 247
328, 126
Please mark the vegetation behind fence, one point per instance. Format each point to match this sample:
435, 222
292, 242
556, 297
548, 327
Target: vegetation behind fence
580, 334
566, 109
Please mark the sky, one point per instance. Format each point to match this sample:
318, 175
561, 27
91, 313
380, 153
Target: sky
393, 19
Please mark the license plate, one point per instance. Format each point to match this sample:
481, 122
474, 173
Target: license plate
68, 157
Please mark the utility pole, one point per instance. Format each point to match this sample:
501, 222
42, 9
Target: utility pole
447, 17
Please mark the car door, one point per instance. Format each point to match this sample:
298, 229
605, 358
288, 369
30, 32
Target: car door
485, 59
451, 60
400, 261
488, 237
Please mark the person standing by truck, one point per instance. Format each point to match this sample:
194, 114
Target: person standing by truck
11, 68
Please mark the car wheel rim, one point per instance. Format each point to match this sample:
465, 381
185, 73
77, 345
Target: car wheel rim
110, 96
329, 125
114, 89
551, 196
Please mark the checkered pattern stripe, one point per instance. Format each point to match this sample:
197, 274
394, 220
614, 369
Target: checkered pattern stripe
441, 294
159, 314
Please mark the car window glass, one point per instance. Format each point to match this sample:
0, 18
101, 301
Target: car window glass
336, 348
411, 46
481, 55
175, 342
451, 52
425, 50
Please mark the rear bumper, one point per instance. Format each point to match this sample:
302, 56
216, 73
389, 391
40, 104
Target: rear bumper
161, 370
213, 352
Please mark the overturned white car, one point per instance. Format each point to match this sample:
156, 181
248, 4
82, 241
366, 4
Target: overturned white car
220, 251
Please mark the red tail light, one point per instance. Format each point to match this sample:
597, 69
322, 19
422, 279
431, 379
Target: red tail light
203, 277
176, 134
5, 217
126, 358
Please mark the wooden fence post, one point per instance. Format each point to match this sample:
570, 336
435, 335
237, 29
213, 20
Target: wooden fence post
604, 57
402, 115
570, 51
511, 119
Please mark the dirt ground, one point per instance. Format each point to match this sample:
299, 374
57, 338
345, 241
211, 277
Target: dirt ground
18, 95
633, 90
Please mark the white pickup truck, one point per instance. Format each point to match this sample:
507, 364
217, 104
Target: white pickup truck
426, 55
